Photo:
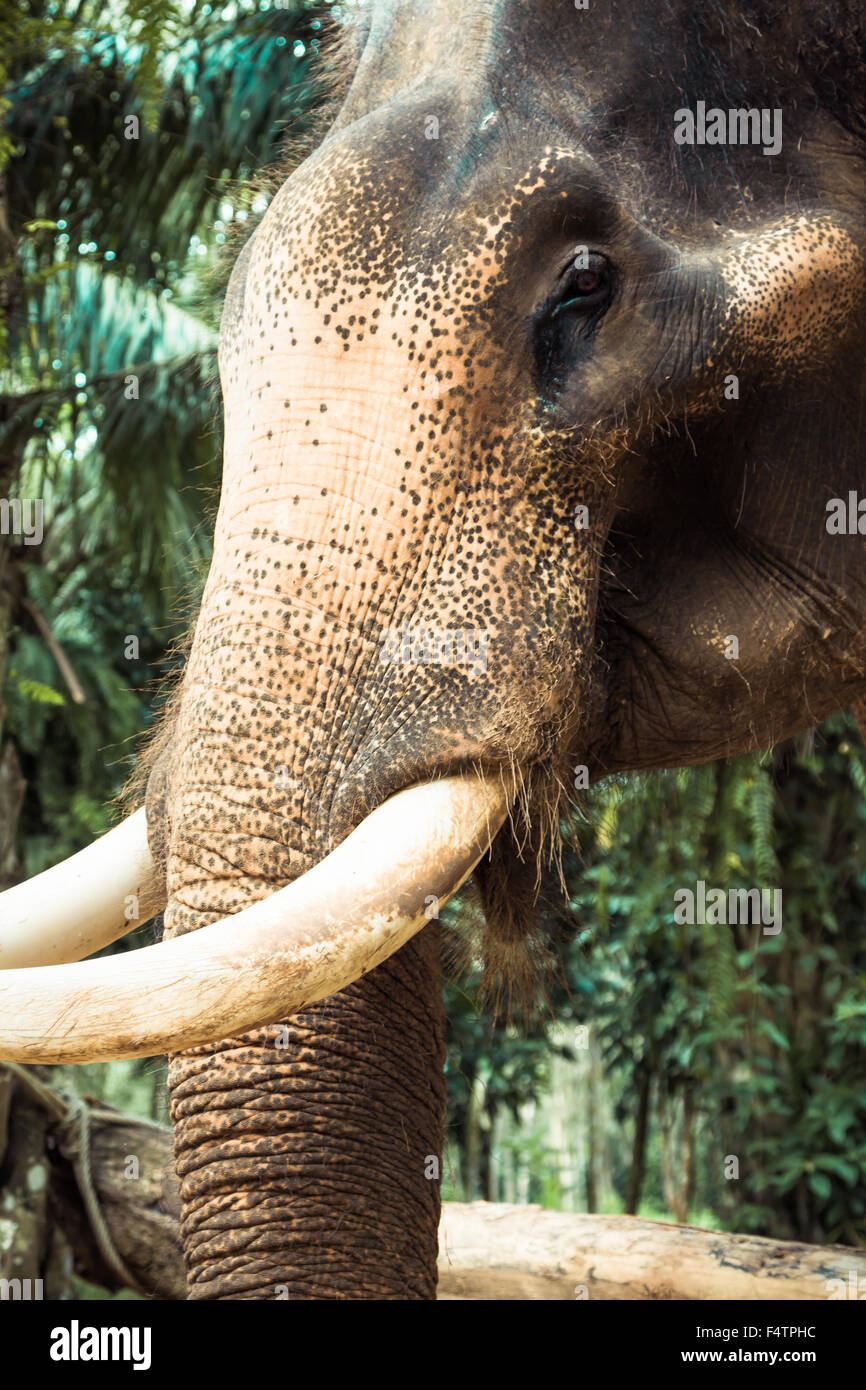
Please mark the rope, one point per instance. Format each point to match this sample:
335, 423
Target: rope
72, 1120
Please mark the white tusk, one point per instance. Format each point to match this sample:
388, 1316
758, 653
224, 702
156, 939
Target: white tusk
269, 961
83, 904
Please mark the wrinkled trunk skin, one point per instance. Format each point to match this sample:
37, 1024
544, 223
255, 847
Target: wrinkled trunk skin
302, 1150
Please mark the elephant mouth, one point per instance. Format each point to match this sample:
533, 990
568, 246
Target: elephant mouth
304, 943
380, 774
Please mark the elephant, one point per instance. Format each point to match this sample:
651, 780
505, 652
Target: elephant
543, 386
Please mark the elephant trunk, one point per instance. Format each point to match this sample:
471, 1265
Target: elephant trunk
308, 1154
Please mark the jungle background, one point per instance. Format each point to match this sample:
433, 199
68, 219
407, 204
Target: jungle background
664, 1052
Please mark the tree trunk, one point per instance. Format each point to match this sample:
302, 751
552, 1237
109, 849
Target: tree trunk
11, 782
687, 1160
638, 1153
488, 1172
677, 1155
12, 787
472, 1181
591, 1132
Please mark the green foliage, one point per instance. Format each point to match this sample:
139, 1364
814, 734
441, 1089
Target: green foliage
763, 1034
765, 1031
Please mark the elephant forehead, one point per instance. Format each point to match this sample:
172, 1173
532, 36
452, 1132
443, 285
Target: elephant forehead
375, 227
354, 345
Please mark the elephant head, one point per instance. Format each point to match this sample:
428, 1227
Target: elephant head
540, 374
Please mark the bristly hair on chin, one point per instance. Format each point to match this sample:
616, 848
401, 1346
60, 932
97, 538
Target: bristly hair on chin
505, 919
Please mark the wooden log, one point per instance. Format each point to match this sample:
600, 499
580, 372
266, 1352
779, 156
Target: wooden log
488, 1251
491, 1251
132, 1170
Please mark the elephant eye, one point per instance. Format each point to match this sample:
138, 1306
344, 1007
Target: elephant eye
566, 323
585, 285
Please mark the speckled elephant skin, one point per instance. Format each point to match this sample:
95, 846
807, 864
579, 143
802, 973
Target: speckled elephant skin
508, 365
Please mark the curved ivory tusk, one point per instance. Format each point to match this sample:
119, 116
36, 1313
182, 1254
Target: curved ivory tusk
84, 903
304, 943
